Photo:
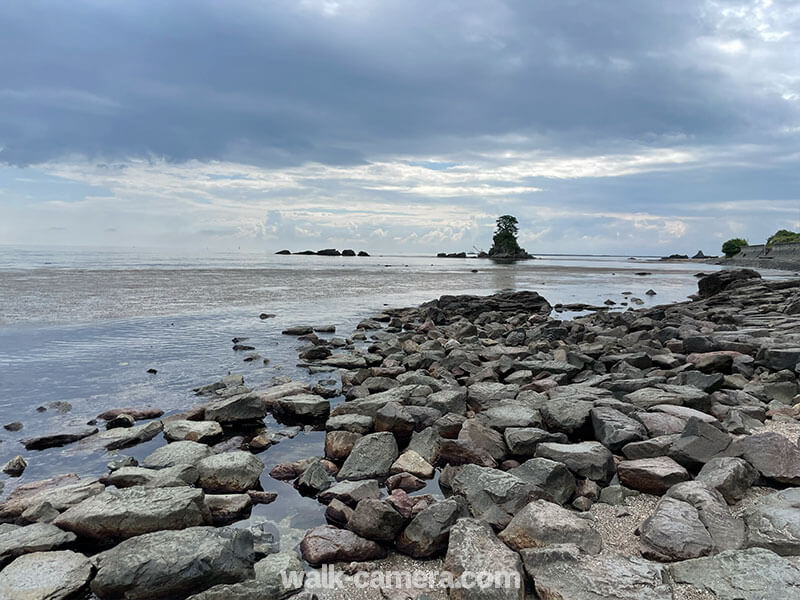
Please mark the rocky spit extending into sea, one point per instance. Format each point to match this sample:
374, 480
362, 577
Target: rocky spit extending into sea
647, 454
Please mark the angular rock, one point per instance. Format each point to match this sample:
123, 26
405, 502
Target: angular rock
361, 424
491, 495
302, 408
351, 492
411, 462
227, 508
698, 443
591, 460
674, 532
237, 409
731, 476
752, 574
39, 537
651, 475
774, 523
567, 415
120, 514
62, 438
726, 531
339, 444
772, 454
314, 479
376, 520
197, 431
229, 472
522, 441
427, 534
473, 548
372, 457
173, 564
613, 429
553, 480
45, 576
543, 523
123, 437
327, 544
169, 477
177, 453
478, 436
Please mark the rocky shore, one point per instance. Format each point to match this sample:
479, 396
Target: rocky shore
644, 454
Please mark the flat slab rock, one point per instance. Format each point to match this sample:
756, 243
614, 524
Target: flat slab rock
774, 523
651, 475
752, 574
119, 514
38, 537
173, 564
327, 544
543, 523
597, 578
45, 576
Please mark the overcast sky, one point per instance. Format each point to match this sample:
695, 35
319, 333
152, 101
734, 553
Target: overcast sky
631, 126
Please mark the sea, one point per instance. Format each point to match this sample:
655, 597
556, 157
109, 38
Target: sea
84, 326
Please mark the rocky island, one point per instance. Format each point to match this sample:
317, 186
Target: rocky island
645, 454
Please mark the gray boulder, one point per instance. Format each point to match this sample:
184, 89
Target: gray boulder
614, 429
493, 496
376, 520
478, 436
752, 574
371, 458
351, 492
698, 443
45, 576
726, 531
302, 407
237, 409
543, 523
553, 480
427, 533
119, 514
327, 544
177, 453
123, 437
229, 472
473, 548
314, 479
169, 477
169, 564
651, 475
731, 476
772, 454
39, 537
566, 415
674, 532
590, 460
197, 431
522, 441
774, 523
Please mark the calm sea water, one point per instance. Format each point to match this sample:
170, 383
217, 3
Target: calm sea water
84, 326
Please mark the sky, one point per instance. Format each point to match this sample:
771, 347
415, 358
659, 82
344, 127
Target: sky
399, 126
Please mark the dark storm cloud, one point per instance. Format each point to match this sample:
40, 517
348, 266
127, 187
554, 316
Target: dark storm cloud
280, 83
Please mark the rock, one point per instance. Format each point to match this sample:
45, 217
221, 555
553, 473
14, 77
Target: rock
651, 475
197, 431
259, 497
411, 462
302, 408
15, 466
123, 437
177, 453
361, 424
298, 330
426, 443
39, 537
727, 531
616, 494
351, 492
119, 514
591, 460
613, 429
396, 418
461, 452
372, 457
13, 426
313, 480
375, 520
327, 544
473, 548
229, 472
227, 508
276, 576
428, 532
315, 353
522, 441
45, 576
491, 495
652, 448
172, 564
59, 492
752, 574
566, 415
178, 475
237, 409
781, 358
480, 437
715, 283
678, 395
511, 414
62, 438
405, 481
731, 476
138, 414
485, 394
552, 480
774, 456
596, 578
674, 532
338, 513
774, 523
698, 443
542, 523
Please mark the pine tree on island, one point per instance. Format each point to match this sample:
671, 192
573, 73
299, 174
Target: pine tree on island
504, 242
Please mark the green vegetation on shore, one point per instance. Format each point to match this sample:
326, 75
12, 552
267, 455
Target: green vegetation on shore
732, 246
784, 236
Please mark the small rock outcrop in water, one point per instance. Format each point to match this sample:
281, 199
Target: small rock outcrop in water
553, 440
